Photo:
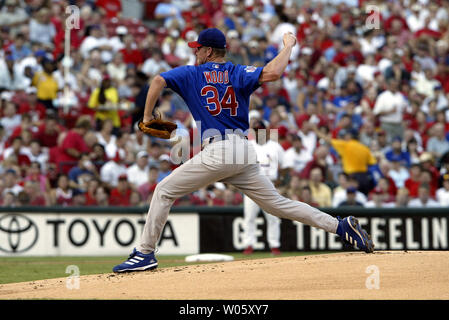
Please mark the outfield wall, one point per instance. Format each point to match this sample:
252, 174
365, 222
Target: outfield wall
102, 231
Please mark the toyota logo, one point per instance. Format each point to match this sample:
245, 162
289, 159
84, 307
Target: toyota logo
18, 233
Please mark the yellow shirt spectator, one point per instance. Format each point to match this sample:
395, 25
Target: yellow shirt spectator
111, 95
355, 156
322, 194
46, 85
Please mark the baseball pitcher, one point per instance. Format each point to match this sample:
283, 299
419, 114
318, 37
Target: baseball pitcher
217, 94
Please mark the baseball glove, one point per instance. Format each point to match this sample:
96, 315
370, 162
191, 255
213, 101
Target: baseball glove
157, 128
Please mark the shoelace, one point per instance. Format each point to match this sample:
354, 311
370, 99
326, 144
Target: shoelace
132, 254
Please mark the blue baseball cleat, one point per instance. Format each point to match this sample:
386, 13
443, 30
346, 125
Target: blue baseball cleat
353, 235
137, 261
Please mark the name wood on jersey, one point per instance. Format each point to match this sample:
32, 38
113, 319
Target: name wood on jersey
216, 76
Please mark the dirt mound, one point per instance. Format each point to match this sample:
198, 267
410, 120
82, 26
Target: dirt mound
382, 275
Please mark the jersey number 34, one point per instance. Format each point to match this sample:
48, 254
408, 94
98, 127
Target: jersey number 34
227, 102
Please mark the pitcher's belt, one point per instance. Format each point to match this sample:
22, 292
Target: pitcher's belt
216, 138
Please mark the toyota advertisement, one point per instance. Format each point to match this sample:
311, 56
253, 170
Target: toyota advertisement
102, 234
65, 234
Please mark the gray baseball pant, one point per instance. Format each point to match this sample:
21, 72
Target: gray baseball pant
232, 161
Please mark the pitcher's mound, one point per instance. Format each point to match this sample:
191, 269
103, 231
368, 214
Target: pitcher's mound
382, 275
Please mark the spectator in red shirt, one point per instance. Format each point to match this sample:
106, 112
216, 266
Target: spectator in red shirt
131, 55
92, 186
74, 145
101, 197
232, 198
110, 8
198, 15
120, 195
413, 182
198, 198
216, 196
284, 139
48, 132
430, 172
62, 194
25, 125
387, 185
146, 189
32, 106
347, 53
345, 124
319, 161
35, 196
396, 16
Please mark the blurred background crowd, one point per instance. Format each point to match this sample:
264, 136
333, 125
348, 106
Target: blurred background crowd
362, 111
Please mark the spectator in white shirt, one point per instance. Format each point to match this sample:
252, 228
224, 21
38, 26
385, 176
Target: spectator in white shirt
10, 118
96, 40
61, 77
111, 171
365, 71
116, 42
397, 172
423, 57
371, 41
277, 35
138, 141
297, 156
12, 15
37, 154
11, 185
117, 68
155, 64
390, 106
425, 83
42, 29
176, 45
442, 193
106, 138
438, 144
308, 137
424, 200
414, 19
138, 173
11, 75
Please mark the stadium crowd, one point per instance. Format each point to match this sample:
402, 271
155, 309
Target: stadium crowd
362, 111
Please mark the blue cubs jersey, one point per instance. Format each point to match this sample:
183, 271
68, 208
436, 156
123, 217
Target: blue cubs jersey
217, 94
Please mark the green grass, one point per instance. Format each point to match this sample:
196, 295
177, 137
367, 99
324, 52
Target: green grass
20, 269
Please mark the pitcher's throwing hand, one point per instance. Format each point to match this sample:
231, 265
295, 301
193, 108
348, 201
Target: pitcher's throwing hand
289, 39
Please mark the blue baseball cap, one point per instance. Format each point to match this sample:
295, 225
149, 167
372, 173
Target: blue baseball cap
351, 189
211, 37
